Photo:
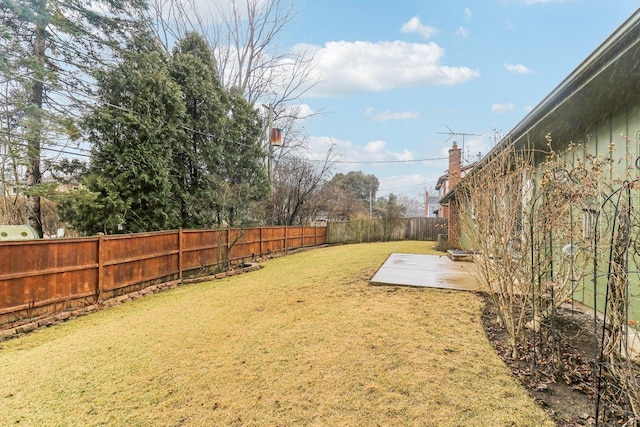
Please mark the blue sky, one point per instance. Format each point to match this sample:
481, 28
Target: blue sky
395, 74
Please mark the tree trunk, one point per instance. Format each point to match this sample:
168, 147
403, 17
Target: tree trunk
34, 217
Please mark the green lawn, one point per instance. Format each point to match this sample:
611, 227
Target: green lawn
304, 341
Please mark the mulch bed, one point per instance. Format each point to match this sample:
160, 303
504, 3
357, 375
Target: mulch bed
557, 368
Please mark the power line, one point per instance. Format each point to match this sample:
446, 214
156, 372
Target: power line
388, 161
364, 162
404, 186
66, 93
24, 145
93, 98
139, 115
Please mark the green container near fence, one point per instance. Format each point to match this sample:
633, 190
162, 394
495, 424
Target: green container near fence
17, 232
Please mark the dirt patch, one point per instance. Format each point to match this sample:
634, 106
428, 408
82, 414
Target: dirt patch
557, 368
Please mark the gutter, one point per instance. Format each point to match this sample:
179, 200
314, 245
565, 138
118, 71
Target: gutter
623, 39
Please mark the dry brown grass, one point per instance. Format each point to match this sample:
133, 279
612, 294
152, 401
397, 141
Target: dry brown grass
304, 341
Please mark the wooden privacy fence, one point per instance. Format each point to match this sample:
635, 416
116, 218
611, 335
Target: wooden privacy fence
45, 276
378, 230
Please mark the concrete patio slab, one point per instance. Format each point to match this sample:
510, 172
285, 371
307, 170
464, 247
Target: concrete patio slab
433, 271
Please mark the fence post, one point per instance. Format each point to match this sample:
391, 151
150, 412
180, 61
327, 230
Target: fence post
100, 284
286, 237
180, 249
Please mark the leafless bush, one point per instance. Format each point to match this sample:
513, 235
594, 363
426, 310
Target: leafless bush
495, 226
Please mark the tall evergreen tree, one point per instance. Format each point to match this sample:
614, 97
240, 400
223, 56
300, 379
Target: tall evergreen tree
245, 180
197, 154
46, 48
130, 184
219, 164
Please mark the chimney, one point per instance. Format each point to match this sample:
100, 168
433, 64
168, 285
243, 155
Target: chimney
455, 170
455, 165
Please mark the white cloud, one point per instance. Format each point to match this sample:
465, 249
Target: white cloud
501, 108
467, 14
347, 151
299, 111
517, 68
411, 185
413, 182
209, 11
404, 156
385, 116
462, 32
319, 146
374, 146
475, 146
414, 25
361, 66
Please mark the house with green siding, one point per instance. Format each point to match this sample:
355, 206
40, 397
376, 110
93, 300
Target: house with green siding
577, 198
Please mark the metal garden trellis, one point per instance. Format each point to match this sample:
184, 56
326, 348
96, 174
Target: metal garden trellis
615, 328
611, 233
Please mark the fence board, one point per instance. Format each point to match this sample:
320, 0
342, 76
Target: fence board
34, 272
376, 230
45, 276
273, 239
138, 258
202, 248
244, 244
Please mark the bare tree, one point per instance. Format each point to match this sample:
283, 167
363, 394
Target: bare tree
245, 37
299, 193
414, 206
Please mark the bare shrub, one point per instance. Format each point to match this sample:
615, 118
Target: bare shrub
494, 225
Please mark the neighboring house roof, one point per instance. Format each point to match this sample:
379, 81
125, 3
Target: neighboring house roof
610, 76
444, 178
60, 186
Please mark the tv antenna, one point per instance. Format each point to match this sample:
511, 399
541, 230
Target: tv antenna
451, 134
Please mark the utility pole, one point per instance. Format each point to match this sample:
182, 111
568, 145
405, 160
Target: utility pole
270, 156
